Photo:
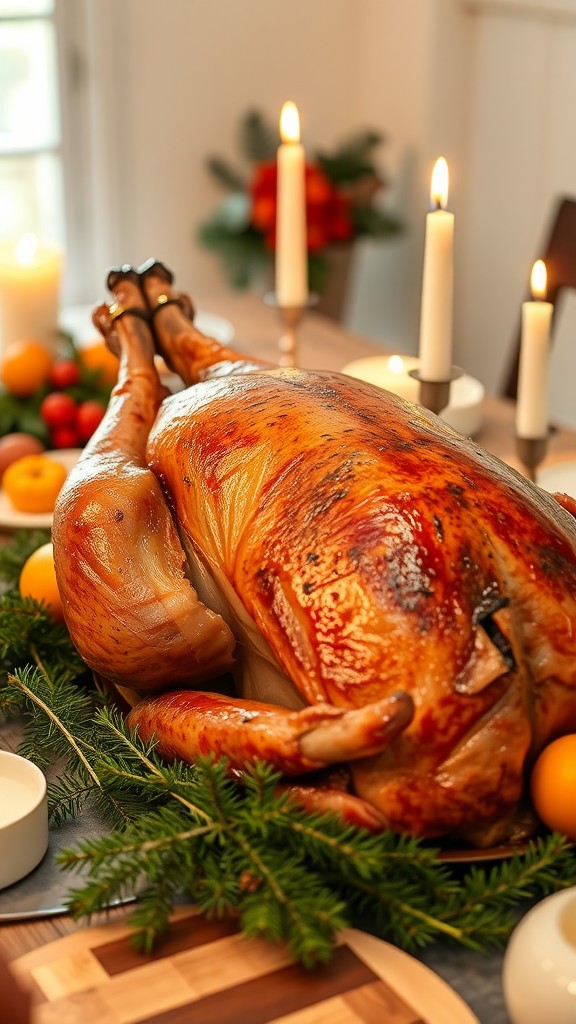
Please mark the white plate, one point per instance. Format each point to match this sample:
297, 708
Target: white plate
560, 476
11, 519
214, 326
78, 321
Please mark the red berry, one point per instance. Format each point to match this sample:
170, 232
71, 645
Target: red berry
64, 373
64, 437
88, 417
58, 410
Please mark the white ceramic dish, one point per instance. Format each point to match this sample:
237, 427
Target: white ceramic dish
214, 326
560, 477
464, 412
78, 321
23, 817
539, 974
11, 519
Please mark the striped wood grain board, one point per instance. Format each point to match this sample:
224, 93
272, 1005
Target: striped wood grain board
206, 972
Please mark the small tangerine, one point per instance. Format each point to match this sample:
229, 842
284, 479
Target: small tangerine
553, 785
97, 356
24, 367
38, 580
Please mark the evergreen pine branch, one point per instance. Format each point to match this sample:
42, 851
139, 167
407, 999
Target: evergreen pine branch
226, 175
13, 555
375, 222
352, 159
259, 138
29, 634
60, 726
66, 796
242, 256
58, 737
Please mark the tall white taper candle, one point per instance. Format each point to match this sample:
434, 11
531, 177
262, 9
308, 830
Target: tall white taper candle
437, 283
291, 251
532, 397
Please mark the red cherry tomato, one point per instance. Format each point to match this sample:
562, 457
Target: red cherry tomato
64, 373
88, 417
64, 437
58, 410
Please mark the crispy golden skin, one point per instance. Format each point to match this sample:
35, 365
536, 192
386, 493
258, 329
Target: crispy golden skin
350, 542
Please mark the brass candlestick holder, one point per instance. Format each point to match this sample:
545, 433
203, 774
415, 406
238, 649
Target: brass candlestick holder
291, 317
531, 451
435, 394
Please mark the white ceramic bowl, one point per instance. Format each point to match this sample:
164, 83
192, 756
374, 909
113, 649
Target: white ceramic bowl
539, 973
464, 412
23, 817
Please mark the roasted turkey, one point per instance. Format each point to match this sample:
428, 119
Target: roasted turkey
385, 594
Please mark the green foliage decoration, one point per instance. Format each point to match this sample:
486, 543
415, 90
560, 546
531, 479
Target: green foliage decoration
351, 169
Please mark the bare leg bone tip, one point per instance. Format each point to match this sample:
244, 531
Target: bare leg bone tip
122, 273
157, 268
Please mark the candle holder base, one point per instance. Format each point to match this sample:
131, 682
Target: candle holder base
291, 317
531, 451
435, 394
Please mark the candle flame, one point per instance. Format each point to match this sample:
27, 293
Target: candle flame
539, 280
396, 364
290, 122
26, 249
439, 185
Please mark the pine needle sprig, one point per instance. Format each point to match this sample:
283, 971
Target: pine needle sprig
259, 137
155, 906
14, 554
484, 908
67, 796
26, 626
61, 728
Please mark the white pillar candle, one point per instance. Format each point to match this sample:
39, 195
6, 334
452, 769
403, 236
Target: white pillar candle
30, 276
532, 398
437, 282
291, 248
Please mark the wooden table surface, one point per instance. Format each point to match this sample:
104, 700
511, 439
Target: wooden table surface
323, 344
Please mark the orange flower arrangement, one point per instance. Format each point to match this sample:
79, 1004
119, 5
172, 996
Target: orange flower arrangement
341, 189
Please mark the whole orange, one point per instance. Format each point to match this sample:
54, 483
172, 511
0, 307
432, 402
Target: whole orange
38, 580
553, 785
25, 367
33, 483
97, 356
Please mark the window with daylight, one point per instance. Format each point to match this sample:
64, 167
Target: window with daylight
31, 192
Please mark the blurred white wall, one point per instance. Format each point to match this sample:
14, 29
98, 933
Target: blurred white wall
521, 158
488, 83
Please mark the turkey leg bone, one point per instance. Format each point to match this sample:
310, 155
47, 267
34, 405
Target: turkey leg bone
187, 351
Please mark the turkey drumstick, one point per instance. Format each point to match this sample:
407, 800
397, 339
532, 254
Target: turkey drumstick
129, 607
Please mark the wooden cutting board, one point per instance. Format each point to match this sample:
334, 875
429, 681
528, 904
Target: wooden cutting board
206, 972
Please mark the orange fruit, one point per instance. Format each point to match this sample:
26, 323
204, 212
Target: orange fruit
33, 483
38, 580
25, 367
97, 356
553, 785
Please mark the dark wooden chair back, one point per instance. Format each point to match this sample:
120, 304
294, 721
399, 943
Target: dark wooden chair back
560, 257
